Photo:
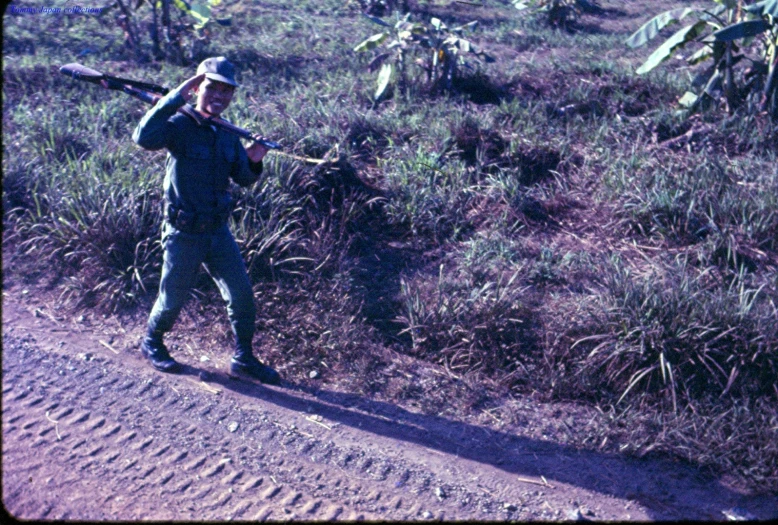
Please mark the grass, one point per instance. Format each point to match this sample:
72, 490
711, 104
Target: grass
677, 331
539, 241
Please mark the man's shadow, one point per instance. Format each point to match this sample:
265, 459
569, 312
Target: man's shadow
655, 483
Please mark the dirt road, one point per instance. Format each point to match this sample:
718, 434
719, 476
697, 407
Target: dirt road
90, 432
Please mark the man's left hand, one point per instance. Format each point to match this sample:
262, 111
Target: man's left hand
256, 152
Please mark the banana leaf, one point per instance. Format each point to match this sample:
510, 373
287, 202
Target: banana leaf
682, 37
740, 30
201, 12
372, 42
764, 8
651, 28
384, 77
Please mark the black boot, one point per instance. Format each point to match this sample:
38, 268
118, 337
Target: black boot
244, 364
156, 352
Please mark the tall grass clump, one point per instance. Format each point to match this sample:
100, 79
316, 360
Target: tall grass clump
680, 357
101, 232
686, 200
469, 327
268, 224
677, 334
433, 203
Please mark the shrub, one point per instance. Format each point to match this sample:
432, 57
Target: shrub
440, 50
728, 33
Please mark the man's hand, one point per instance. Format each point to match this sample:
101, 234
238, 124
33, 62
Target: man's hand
256, 152
189, 85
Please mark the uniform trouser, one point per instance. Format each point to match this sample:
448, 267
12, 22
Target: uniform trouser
218, 252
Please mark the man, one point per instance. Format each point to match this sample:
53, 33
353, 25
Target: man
200, 163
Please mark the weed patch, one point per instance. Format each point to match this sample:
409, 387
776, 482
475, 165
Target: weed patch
474, 143
467, 326
367, 139
680, 336
480, 89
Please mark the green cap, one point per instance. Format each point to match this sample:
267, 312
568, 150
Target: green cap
219, 69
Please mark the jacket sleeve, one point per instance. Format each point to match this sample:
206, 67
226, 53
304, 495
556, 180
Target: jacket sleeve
245, 172
154, 131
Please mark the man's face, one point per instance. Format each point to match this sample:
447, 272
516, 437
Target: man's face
213, 97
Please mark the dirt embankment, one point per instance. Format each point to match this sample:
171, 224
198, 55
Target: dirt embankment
91, 432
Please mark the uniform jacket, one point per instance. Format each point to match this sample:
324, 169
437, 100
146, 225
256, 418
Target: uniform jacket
201, 159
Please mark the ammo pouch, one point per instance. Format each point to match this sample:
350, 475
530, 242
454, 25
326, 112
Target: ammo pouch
189, 222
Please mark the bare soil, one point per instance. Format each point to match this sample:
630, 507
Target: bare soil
91, 432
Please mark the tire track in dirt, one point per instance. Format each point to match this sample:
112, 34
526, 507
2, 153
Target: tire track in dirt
124, 444
116, 450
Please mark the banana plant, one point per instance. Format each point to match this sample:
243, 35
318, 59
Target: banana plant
559, 12
730, 34
200, 10
441, 51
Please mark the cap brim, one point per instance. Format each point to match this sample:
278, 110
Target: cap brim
219, 78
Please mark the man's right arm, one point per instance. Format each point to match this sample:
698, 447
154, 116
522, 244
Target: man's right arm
154, 131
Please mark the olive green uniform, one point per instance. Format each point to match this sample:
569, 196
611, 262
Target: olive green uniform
201, 162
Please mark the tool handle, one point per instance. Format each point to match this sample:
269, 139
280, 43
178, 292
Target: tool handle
151, 93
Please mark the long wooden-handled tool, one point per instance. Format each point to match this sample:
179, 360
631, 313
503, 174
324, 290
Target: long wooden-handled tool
151, 93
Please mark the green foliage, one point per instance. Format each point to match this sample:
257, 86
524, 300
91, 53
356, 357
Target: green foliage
268, 223
100, 232
744, 68
674, 333
468, 326
433, 204
440, 51
169, 37
200, 10
559, 13
698, 200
